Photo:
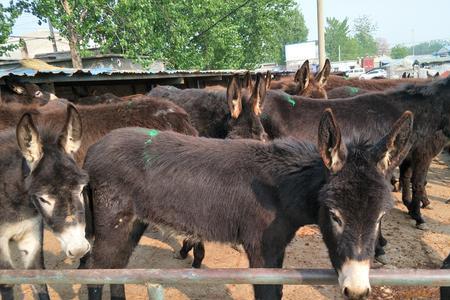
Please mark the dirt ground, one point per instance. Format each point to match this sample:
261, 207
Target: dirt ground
407, 248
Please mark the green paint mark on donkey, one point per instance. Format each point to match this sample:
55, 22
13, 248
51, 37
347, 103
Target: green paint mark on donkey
291, 101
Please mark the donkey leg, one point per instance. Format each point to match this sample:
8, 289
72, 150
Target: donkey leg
258, 259
199, 254
113, 253
405, 182
418, 180
118, 290
188, 244
32, 256
379, 247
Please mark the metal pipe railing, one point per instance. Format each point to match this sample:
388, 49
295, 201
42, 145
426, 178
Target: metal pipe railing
220, 276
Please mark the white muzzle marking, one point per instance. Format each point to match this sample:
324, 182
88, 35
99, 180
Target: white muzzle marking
73, 241
354, 279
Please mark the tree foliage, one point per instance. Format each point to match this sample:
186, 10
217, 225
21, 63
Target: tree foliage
337, 35
428, 47
180, 32
8, 15
399, 51
364, 30
359, 44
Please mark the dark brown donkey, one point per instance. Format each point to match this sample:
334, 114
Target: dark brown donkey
41, 183
26, 93
286, 115
303, 83
369, 84
220, 113
241, 119
243, 191
100, 119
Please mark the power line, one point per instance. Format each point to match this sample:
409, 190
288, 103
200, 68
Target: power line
218, 21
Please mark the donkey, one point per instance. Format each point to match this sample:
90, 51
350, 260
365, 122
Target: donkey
234, 113
24, 93
303, 84
41, 183
286, 115
252, 193
245, 123
369, 84
100, 119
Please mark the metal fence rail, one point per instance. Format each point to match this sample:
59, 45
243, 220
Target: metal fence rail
153, 278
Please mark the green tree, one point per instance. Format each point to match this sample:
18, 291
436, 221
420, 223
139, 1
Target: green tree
428, 47
364, 30
337, 34
399, 51
8, 16
184, 33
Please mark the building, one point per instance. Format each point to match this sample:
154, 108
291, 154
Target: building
444, 51
296, 54
35, 43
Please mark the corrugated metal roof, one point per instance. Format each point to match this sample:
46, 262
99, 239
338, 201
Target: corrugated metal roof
20, 71
67, 74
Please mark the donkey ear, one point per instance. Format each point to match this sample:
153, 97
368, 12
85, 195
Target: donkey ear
234, 97
331, 147
392, 148
322, 76
248, 84
29, 142
15, 86
258, 94
70, 138
268, 79
302, 76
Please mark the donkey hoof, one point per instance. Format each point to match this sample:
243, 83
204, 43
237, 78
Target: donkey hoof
429, 207
422, 226
177, 255
382, 259
196, 266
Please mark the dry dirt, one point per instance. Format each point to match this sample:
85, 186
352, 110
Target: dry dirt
407, 248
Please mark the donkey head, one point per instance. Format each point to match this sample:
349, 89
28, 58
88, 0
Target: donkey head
245, 109
29, 93
54, 181
312, 87
356, 197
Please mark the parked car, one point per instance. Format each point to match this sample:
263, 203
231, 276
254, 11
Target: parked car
375, 73
354, 73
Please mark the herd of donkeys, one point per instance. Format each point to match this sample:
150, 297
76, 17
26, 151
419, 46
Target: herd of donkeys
248, 163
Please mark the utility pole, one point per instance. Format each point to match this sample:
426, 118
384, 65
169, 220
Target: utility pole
52, 35
339, 52
321, 33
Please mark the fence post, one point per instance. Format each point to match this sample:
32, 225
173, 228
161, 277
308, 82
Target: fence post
155, 291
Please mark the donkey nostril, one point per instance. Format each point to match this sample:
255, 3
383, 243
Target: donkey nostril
367, 292
346, 292
70, 253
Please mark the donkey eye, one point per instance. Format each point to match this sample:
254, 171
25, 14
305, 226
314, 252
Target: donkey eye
42, 200
335, 218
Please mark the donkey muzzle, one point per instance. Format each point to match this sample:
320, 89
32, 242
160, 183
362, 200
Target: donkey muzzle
354, 279
73, 241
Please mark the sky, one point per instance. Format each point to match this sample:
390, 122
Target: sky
399, 21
